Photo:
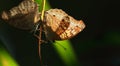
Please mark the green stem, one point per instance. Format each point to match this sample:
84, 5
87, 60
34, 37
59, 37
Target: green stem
43, 9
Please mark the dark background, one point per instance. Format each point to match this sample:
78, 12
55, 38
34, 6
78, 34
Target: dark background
97, 45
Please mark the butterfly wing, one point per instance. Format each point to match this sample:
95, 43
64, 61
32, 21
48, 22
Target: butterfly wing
61, 26
22, 16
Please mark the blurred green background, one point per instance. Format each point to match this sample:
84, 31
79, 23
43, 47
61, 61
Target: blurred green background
97, 45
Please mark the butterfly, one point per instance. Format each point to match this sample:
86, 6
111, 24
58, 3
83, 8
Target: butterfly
23, 16
57, 24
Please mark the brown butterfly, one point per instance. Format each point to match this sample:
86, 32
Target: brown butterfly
23, 16
60, 26
57, 25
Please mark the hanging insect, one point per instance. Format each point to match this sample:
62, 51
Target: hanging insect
23, 16
60, 26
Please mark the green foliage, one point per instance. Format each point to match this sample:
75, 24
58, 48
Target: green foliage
66, 52
6, 59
